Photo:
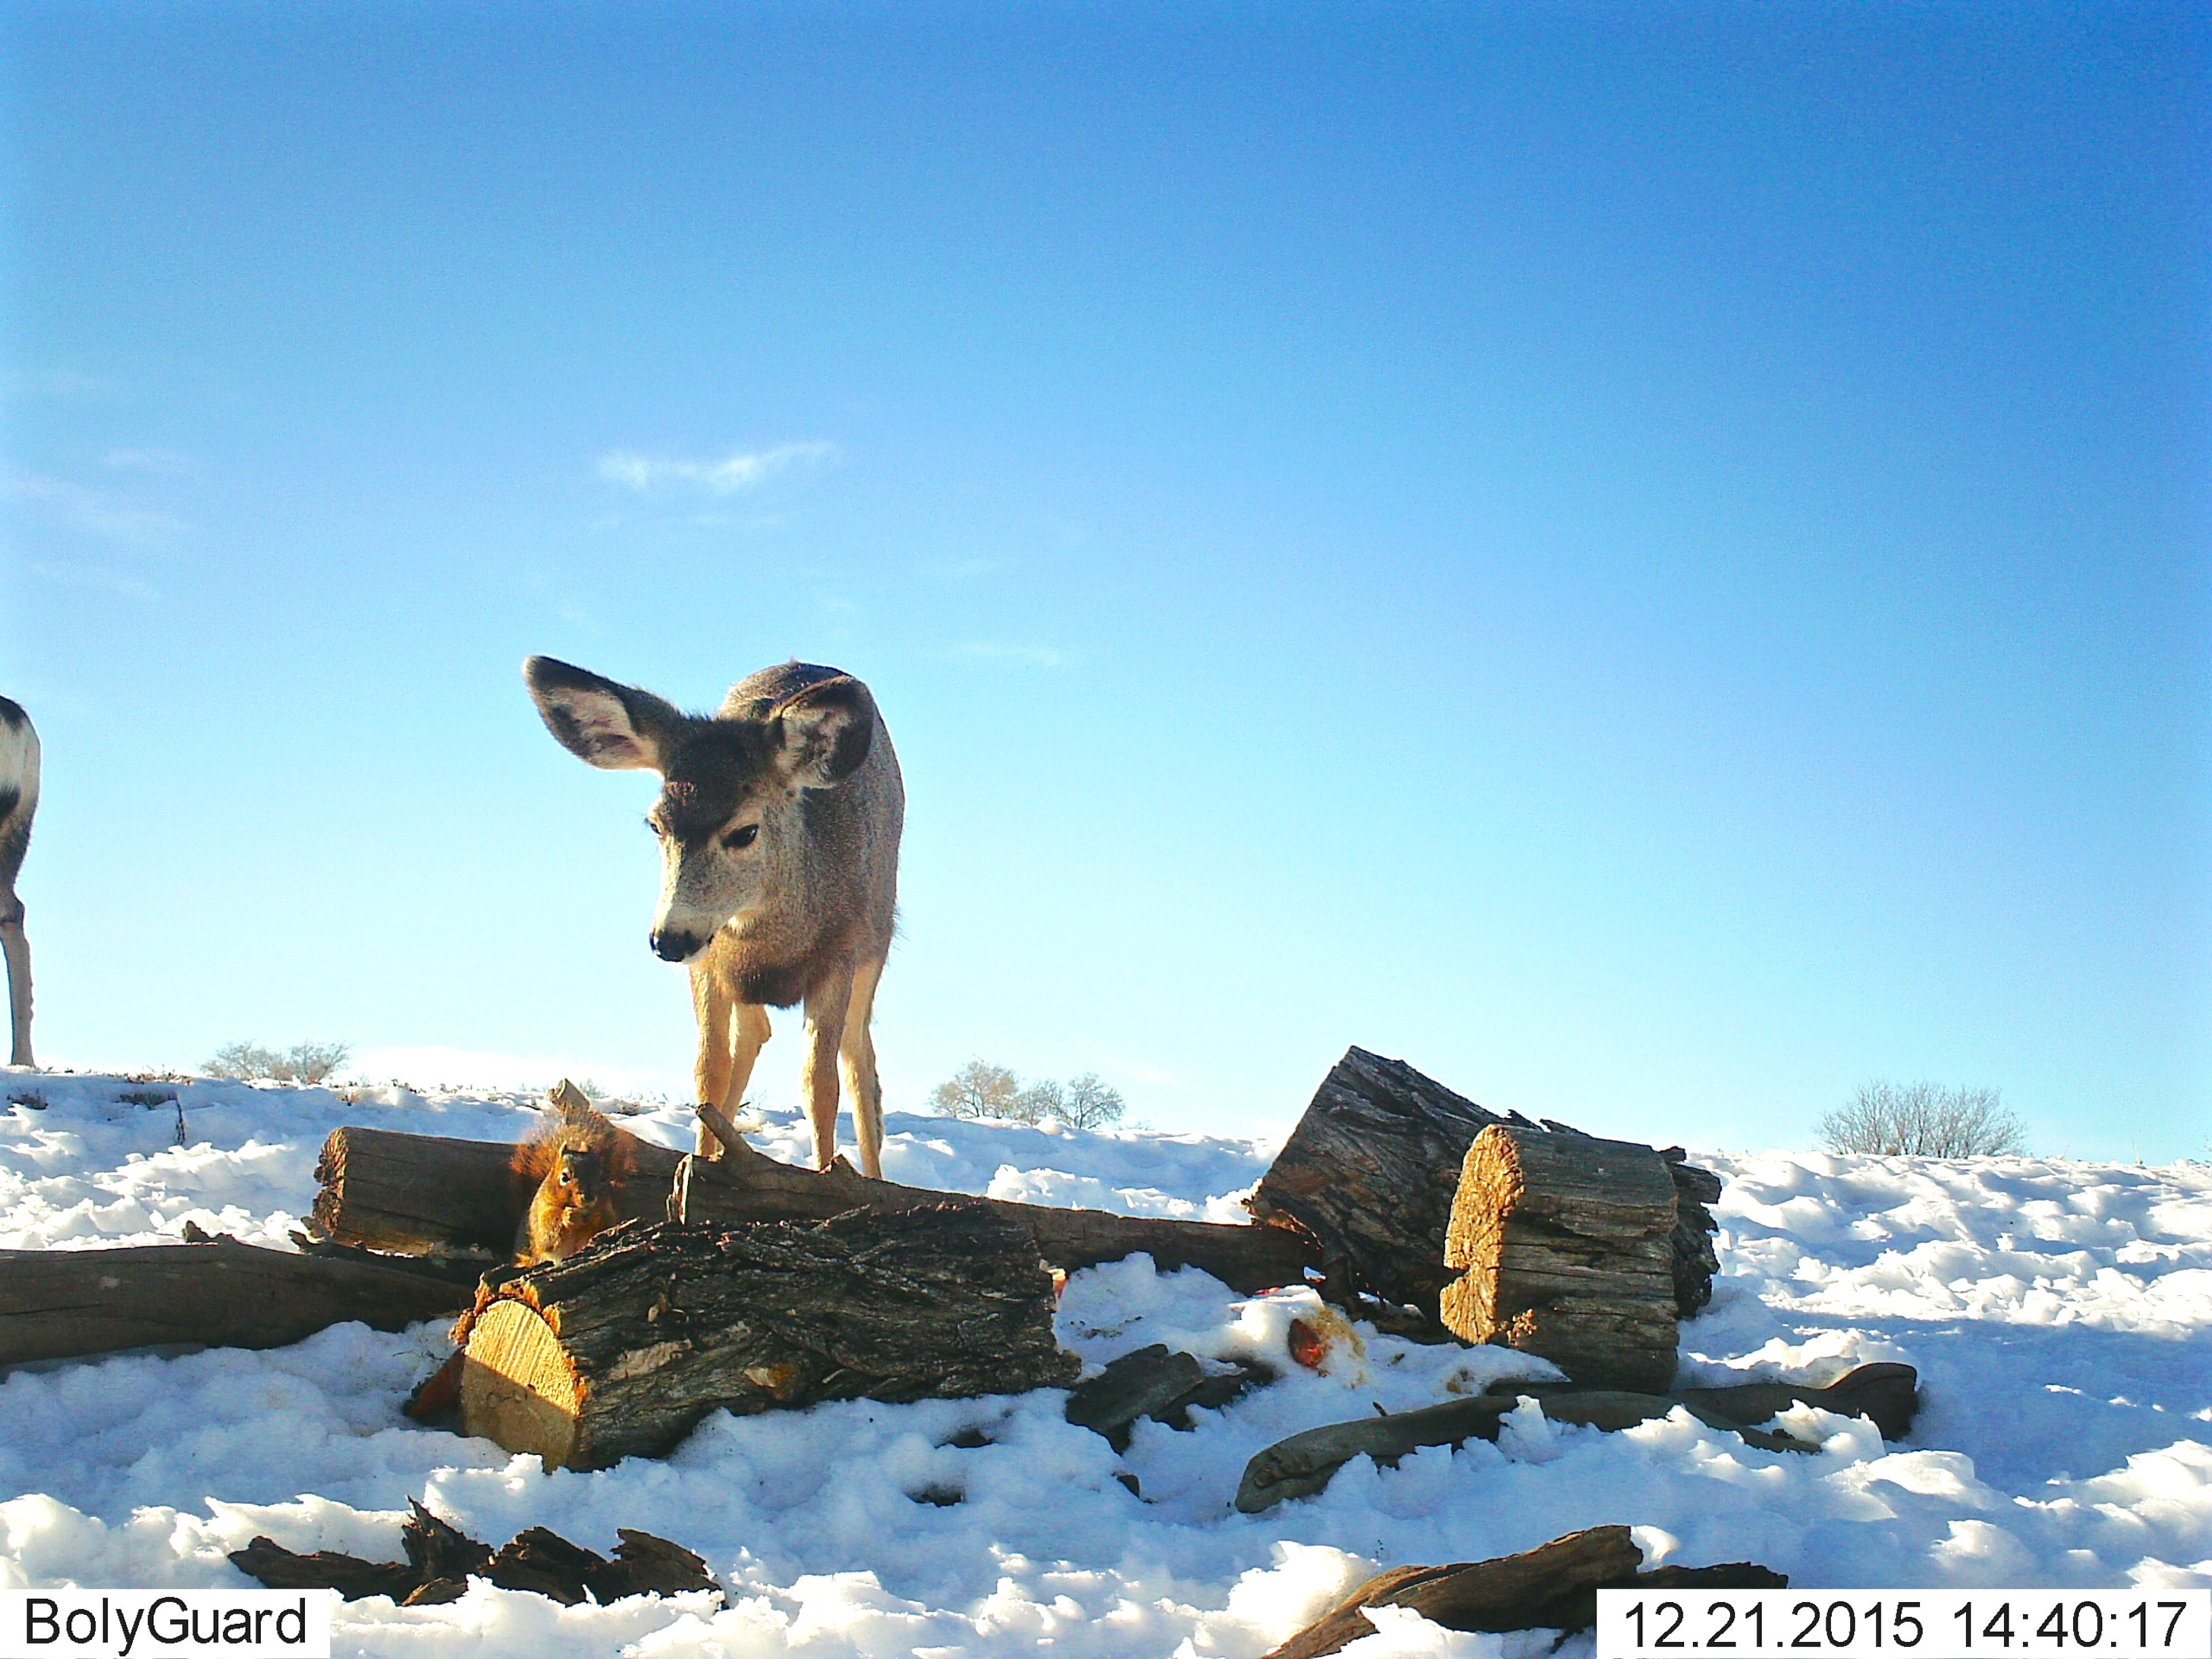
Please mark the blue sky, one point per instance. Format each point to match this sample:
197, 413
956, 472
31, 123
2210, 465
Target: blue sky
1650, 561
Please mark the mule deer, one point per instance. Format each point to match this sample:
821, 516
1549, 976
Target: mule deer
19, 800
779, 821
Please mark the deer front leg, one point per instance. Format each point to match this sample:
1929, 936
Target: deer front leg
860, 1052
731, 1033
17, 946
826, 1005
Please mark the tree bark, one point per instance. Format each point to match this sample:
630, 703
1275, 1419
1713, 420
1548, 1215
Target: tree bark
422, 1195
750, 1187
56, 1305
1551, 1587
622, 1350
1305, 1462
1566, 1247
1371, 1173
1543, 1588
441, 1559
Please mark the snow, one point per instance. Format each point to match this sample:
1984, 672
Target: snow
2058, 1313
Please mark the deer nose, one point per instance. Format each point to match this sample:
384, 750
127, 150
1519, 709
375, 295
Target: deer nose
673, 944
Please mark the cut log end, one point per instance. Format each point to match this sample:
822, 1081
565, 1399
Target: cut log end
518, 1387
1563, 1244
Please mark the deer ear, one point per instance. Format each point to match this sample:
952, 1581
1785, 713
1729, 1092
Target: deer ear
617, 726
824, 732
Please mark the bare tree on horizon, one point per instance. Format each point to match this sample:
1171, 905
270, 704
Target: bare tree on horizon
1923, 1120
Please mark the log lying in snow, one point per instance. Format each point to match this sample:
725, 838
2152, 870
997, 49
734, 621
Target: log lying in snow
1371, 1172
1565, 1245
421, 1194
1163, 1385
441, 1559
1553, 1587
1305, 1462
1885, 1392
57, 1305
622, 1349
416, 1195
747, 1186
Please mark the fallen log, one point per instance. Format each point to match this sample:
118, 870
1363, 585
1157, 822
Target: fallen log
441, 1559
748, 1185
1551, 1587
1371, 1172
422, 1195
1564, 1247
1150, 1381
1155, 1382
58, 1304
1368, 1174
1305, 1462
1884, 1392
622, 1350
414, 1194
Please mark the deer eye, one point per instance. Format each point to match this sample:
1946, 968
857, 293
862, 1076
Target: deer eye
654, 826
742, 837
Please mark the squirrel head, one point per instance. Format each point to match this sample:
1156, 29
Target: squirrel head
581, 1175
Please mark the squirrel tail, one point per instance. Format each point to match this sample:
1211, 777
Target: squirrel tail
583, 1127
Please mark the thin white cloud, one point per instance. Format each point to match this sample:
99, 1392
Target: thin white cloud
97, 576
58, 383
732, 474
1037, 656
168, 463
91, 511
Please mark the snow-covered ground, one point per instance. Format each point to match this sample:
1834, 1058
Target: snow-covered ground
2060, 1314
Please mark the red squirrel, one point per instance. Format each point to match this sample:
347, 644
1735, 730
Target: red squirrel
573, 1168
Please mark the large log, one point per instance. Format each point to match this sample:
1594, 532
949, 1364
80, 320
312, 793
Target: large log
423, 1194
620, 1351
428, 1193
58, 1304
420, 1194
1565, 1245
747, 1186
1551, 1587
1371, 1172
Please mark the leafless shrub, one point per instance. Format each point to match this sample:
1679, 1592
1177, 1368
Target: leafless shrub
1923, 1120
980, 1089
146, 1097
30, 1099
304, 1062
311, 1062
1042, 1099
243, 1061
1090, 1103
